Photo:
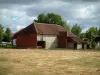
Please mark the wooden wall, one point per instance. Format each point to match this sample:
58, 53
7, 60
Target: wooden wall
26, 41
62, 40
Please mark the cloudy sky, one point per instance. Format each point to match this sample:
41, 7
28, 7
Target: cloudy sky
17, 14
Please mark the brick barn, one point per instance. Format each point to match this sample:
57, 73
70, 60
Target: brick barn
40, 35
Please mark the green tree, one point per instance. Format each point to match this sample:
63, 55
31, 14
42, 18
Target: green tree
66, 25
76, 30
7, 36
41, 18
91, 34
83, 35
99, 32
1, 33
52, 18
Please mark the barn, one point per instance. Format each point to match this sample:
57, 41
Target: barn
40, 35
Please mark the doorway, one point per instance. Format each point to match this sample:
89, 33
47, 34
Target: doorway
75, 45
83, 45
41, 44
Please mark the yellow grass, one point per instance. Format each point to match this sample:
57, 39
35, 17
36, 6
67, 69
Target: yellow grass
49, 62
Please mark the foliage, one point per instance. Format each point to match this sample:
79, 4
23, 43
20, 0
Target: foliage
91, 34
1, 33
76, 30
7, 36
99, 32
41, 18
66, 26
52, 18
82, 35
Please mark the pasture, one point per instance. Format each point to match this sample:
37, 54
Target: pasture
49, 62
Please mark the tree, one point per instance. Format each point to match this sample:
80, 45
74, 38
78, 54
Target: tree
1, 33
91, 34
41, 18
52, 18
83, 35
7, 36
76, 30
99, 32
66, 26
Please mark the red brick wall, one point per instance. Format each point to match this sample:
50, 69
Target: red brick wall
26, 41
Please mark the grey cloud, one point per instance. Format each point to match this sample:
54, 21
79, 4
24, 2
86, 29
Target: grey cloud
18, 1
75, 1
68, 9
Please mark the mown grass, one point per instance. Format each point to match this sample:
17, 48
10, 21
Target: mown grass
87, 61
5, 68
3, 59
49, 62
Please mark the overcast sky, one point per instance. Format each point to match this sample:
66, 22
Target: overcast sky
17, 14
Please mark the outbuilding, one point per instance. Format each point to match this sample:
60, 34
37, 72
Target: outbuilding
41, 35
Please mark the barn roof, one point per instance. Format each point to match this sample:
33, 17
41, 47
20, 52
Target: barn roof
40, 28
73, 38
70, 34
46, 29
61, 28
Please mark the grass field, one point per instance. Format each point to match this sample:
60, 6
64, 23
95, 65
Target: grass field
49, 62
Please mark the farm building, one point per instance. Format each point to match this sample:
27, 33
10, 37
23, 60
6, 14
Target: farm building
40, 35
75, 42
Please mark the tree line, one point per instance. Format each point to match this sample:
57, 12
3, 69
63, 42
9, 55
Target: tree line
5, 36
52, 18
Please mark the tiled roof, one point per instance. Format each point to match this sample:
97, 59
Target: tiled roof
70, 34
46, 29
72, 37
61, 28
